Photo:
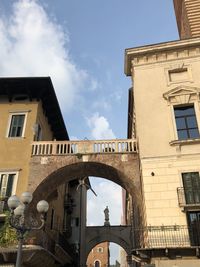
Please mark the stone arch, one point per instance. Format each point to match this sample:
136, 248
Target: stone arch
96, 235
79, 170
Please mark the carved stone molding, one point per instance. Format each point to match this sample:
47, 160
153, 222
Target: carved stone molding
182, 95
161, 53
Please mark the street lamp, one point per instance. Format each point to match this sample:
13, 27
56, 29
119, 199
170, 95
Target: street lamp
18, 220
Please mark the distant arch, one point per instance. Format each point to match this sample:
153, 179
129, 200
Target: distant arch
120, 235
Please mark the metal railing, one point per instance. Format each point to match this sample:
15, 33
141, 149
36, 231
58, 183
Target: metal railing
84, 147
167, 236
188, 196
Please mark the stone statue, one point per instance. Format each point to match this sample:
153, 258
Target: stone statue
106, 212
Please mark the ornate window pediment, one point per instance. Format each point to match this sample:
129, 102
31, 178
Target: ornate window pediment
182, 95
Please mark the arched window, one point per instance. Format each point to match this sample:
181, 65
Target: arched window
97, 263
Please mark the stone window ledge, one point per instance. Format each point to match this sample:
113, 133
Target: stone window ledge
184, 142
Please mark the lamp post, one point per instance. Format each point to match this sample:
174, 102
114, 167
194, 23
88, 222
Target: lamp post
20, 222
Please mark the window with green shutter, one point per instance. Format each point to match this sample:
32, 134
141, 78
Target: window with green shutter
6, 184
191, 184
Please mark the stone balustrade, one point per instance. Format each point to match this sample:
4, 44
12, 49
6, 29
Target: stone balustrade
84, 147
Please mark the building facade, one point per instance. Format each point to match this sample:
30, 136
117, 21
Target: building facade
99, 256
26, 115
30, 112
164, 116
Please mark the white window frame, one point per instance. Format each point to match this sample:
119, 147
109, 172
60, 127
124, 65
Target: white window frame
9, 124
14, 186
180, 96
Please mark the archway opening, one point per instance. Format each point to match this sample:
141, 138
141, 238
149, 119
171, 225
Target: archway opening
107, 254
65, 190
108, 194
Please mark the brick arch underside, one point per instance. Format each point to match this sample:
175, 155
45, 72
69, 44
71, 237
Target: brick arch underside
80, 170
125, 244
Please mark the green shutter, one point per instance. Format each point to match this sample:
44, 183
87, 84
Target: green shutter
10, 185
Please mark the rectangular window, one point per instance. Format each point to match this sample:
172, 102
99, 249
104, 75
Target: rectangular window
194, 227
16, 125
186, 122
6, 184
191, 184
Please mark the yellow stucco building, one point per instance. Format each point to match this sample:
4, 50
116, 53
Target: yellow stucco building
26, 116
30, 112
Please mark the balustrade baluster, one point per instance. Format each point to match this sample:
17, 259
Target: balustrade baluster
116, 146
65, 148
47, 149
33, 150
101, 147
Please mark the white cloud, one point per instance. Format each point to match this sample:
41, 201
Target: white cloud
100, 128
33, 44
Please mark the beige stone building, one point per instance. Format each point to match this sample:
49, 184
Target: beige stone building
164, 116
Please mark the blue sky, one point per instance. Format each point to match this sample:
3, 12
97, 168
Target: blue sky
96, 35
81, 44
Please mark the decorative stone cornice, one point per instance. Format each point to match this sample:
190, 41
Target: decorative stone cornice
169, 51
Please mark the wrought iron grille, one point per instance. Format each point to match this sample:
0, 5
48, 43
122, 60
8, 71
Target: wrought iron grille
167, 236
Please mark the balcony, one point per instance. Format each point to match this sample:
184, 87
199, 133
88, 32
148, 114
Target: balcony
188, 197
168, 236
84, 147
167, 241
